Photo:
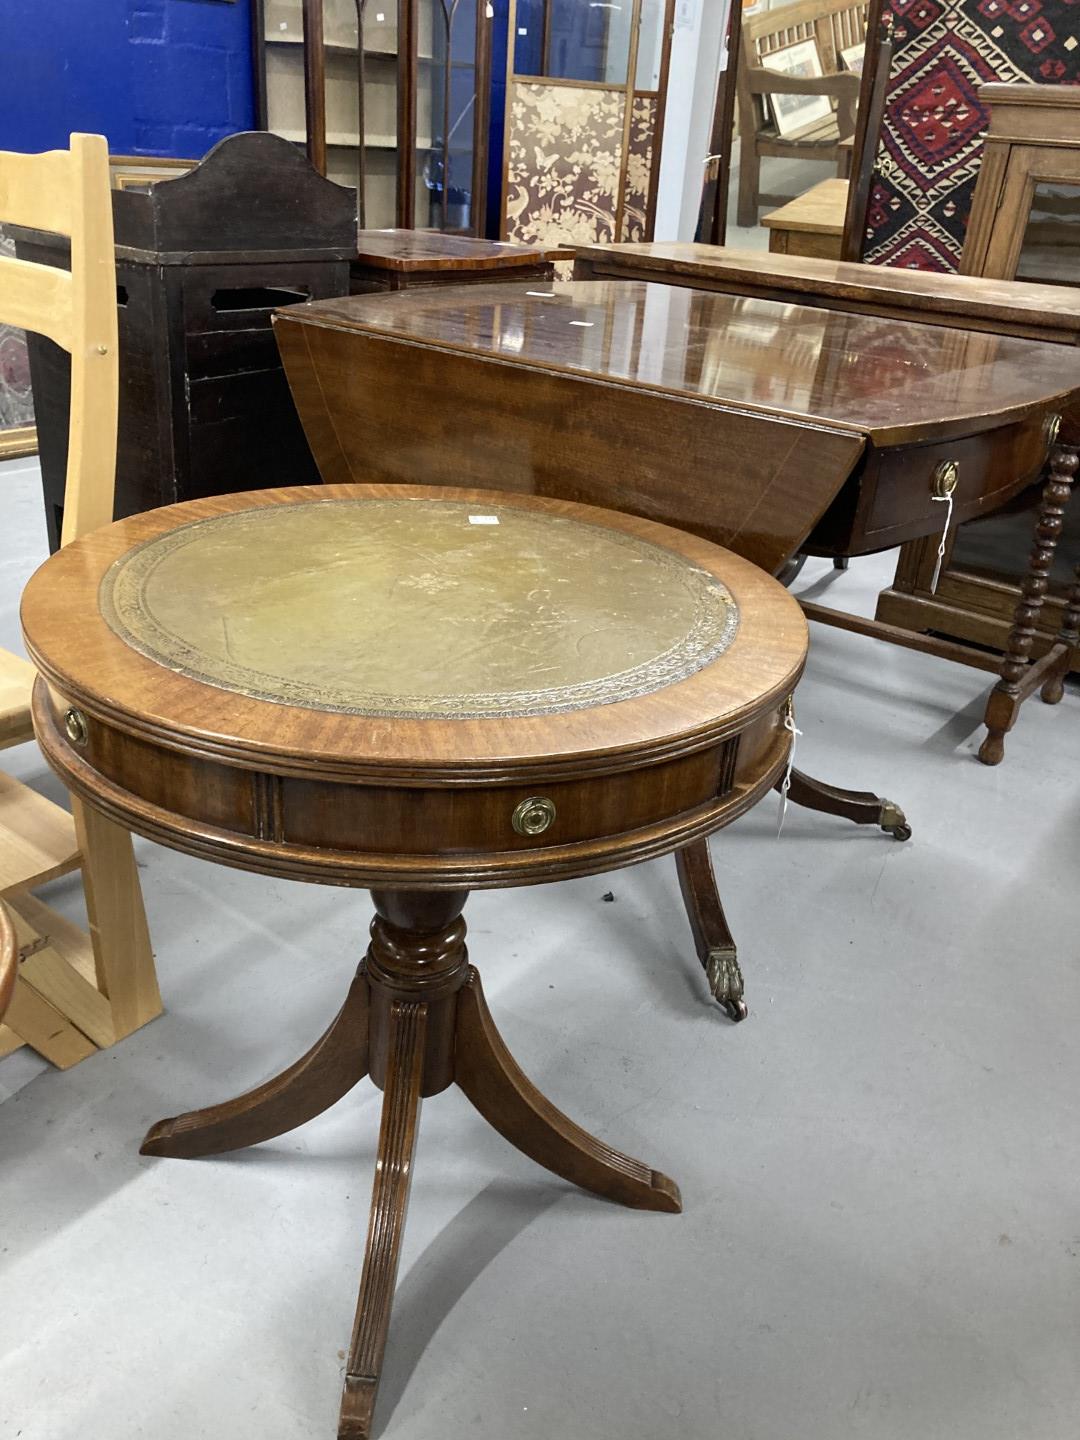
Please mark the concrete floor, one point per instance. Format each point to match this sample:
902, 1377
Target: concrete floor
881, 1235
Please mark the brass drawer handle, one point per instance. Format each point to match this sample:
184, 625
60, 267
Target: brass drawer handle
534, 815
946, 478
76, 727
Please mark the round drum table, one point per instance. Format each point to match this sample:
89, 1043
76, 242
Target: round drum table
417, 691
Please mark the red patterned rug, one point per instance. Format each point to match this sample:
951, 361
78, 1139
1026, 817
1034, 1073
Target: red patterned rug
931, 138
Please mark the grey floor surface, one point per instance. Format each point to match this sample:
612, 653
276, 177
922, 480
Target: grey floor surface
881, 1235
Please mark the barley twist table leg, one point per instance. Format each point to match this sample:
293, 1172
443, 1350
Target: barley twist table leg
1008, 694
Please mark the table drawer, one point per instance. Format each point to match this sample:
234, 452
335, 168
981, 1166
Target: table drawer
894, 500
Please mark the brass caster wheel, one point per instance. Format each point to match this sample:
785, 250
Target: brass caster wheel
726, 982
893, 821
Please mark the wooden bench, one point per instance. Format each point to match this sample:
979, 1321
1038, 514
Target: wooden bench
833, 25
811, 224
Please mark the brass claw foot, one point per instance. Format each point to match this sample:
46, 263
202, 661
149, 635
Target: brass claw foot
893, 821
726, 982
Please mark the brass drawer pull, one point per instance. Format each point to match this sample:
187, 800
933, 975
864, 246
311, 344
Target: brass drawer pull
946, 478
534, 815
76, 727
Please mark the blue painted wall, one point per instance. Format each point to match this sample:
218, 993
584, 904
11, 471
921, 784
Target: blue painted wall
156, 77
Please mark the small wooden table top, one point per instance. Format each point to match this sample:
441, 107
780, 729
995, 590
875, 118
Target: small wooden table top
433, 249
416, 690
408, 259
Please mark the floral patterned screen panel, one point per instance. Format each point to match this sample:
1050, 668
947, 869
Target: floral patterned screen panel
16, 401
584, 115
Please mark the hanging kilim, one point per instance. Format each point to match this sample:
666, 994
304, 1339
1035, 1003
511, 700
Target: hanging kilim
932, 135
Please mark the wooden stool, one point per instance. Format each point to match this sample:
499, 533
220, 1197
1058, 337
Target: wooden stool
418, 691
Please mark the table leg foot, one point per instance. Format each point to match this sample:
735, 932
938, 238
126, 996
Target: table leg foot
992, 749
315, 1082
713, 940
389, 1202
511, 1104
861, 806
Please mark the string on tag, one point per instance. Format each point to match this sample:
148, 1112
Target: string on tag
947, 500
785, 785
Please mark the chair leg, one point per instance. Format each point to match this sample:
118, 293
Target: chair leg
119, 934
749, 182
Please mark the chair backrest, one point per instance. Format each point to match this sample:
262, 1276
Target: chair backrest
9, 959
67, 192
834, 25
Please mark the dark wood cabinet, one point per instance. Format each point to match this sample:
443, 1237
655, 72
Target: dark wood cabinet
202, 261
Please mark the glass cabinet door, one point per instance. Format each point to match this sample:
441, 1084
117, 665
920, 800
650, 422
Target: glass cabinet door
361, 78
1050, 248
377, 111
446, 100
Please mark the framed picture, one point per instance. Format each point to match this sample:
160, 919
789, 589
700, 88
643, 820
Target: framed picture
853, 58
135, 172
794, 113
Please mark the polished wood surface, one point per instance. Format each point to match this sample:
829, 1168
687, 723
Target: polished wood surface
411, 259
418, 806
411, 250
964, 305
477, 386
964, 301
896, 383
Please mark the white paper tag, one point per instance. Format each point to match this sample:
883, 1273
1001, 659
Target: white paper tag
483, 519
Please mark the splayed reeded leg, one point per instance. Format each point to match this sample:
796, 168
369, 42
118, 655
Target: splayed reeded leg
416, 1021
320, 1078
861, 806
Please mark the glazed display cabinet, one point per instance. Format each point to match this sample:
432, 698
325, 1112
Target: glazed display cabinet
389, 96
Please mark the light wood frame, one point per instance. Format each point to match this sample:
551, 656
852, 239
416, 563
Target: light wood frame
73, 993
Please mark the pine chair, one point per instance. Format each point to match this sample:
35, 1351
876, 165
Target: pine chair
73, 993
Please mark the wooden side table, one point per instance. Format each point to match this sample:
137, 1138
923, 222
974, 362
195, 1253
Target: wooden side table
416, 691
412, 259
